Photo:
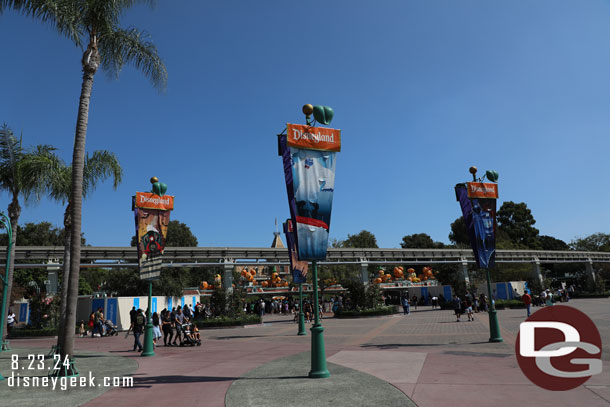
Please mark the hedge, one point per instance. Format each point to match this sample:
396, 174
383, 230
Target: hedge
370, 312
513, 304
30, 332
228, 321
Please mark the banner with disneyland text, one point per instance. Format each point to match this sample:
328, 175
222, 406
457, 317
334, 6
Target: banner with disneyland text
478, 203
298, 268
309, 159
152, 219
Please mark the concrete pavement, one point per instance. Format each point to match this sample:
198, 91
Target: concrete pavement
427, 356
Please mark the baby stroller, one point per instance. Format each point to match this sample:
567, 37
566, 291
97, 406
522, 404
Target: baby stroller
111, 329
189, 337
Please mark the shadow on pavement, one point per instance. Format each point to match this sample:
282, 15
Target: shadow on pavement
152, 380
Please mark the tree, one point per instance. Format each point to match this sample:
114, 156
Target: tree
23, 174
597, 242
420, 241
551, 243
459, 233
98, 167
96, 24
517, 221
363, 240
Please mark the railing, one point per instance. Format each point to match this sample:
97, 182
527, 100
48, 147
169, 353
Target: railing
230, 256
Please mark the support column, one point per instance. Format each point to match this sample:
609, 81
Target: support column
364, 271
464, 271
591, 277
227, 276
52, 276
537, 271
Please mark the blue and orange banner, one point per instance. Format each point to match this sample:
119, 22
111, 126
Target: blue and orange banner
480, 219
310, 183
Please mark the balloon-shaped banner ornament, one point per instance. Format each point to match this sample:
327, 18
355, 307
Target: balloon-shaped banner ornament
151, 210
308, 154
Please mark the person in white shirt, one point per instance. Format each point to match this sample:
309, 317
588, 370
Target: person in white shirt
10, 321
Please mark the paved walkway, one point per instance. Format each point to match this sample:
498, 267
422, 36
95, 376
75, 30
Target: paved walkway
429, 357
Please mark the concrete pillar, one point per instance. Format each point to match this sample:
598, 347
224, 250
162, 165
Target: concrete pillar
227, 276
364, 271
464, 272
590, 271
537, 272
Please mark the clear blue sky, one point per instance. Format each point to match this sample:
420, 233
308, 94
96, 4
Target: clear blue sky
421, 90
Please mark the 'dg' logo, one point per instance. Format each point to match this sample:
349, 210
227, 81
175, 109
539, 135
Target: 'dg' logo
559, 348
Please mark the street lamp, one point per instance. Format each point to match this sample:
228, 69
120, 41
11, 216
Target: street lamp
5, 221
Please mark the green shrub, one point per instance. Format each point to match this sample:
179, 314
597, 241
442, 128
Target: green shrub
32, 332
227, 321
367, 312
501, 304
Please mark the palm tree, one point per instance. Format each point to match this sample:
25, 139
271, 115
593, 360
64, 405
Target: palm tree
23, 174
95, 23
98, 167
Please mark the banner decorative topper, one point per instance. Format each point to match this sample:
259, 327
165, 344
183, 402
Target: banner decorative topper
298, 268
152, 220
478, 203
309, 159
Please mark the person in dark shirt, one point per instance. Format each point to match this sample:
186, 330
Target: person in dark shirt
138, 329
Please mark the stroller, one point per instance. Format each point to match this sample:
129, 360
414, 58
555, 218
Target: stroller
189, 336
111, 329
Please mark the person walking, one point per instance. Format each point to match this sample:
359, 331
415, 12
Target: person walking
10, 322
549, 298
405, 305
138, 329
527, 300
166, 325
457, 306
468, 302
156, 328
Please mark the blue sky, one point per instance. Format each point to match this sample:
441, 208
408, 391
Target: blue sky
421, 90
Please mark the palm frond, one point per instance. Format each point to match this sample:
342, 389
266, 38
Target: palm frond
11, 153
66, 16
100, 166
38, 170
121, 47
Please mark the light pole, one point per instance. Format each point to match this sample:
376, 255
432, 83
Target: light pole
5, 221
148, 332
494, 326
318, 353
301, 313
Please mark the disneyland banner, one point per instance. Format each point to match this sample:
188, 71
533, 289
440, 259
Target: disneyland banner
298, 268
309, 155
151, 231
478, 203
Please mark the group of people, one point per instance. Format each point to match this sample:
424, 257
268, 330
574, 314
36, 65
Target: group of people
307, 311
469, 305
178, 330
98, 325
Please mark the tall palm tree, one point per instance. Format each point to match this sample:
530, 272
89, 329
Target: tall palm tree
98, 167
96, 24
23, 174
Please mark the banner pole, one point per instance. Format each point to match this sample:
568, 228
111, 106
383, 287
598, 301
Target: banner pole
148, 334
318, 354
301, 313
494, 326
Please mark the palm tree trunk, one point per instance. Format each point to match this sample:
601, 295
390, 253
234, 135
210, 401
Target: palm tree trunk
14, 211
65, 277
90, 63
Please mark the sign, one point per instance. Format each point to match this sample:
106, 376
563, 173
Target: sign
152, 220
482, 190
148, 200
559, 348
314, 138
480, 219
310, 183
